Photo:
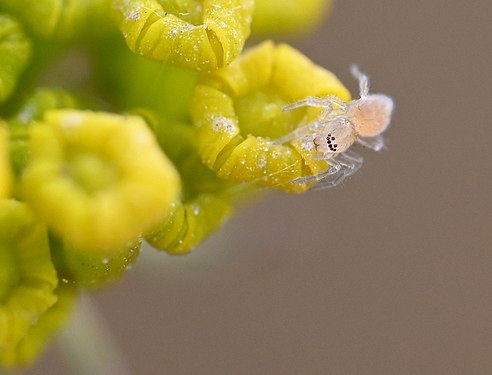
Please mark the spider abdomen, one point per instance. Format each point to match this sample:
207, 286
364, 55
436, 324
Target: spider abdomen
371, 115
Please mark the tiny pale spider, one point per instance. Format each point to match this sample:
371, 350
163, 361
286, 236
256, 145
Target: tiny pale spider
339, 125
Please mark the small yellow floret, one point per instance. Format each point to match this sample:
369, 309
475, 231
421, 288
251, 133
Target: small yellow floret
98, 179
239, 112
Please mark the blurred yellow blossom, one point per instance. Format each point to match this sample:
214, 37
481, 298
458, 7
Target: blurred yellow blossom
288, 17
15, 52
27, 276
98, 179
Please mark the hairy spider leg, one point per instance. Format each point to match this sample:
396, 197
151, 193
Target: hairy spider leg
363, 81
310, 101
334, 170
324, 118
349, 162
298, 133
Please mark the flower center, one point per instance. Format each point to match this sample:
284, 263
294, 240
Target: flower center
260, 113
91, 172
188, 10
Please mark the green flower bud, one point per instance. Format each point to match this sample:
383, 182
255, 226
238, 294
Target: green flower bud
190, 222
27, 276
90, 269
187, 33
97, 179
206, 201
15, 51
238, 110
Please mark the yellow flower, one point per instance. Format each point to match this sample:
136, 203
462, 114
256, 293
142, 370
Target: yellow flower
97, 179
187, 33
27, 276
238, 110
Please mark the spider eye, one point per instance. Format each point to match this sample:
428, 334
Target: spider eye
330, 139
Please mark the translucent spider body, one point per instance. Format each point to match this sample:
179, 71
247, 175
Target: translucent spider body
339, 125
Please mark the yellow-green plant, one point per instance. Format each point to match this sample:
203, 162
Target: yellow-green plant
123, 121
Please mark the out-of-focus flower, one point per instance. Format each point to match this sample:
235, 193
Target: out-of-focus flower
15, 51
238, 110
97, 179
60, 19
5, 169
192, 34
30, 111
287, 17
27, 276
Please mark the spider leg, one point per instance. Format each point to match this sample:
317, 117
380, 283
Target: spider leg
310, 101
351, 162
336, 101
332, 170
374, 143
299, 133
348, 162
327, 157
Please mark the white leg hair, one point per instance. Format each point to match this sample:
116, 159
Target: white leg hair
363, 80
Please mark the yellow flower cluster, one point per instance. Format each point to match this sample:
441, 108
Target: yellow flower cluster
162, 123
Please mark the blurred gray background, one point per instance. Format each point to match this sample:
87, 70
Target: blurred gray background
389, 273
